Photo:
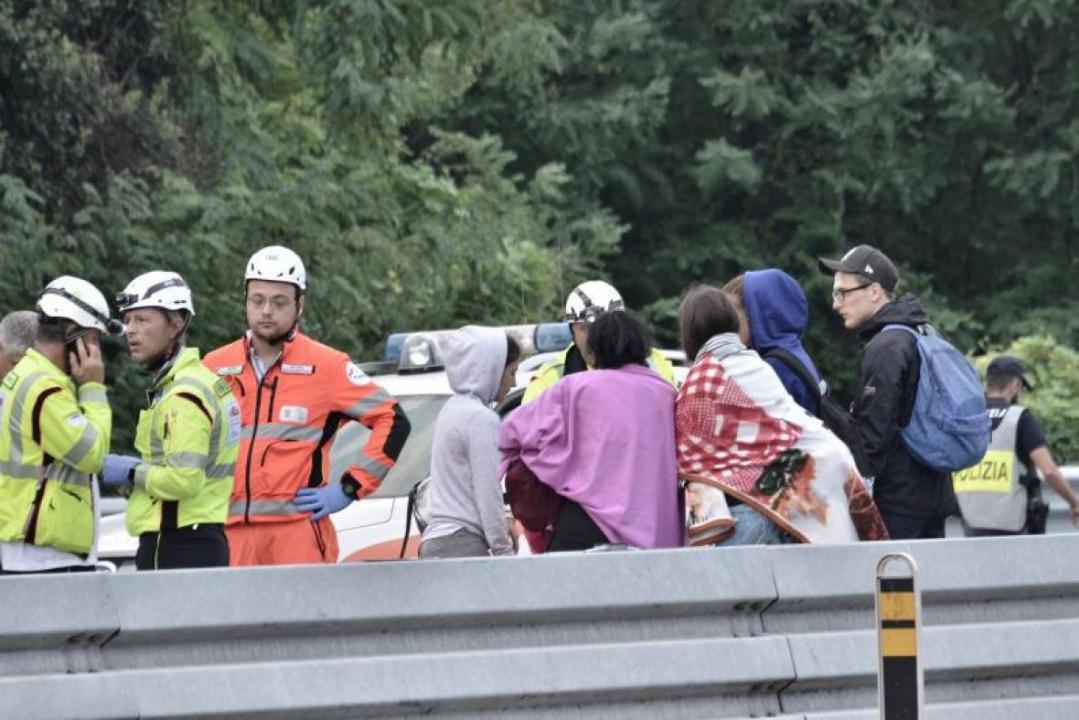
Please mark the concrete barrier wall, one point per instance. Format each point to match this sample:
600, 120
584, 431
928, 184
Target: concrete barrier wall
721, 633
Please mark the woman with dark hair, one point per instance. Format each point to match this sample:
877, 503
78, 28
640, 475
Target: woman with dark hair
592, 460
742, 436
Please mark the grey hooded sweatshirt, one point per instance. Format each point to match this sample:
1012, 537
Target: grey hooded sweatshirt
465, 491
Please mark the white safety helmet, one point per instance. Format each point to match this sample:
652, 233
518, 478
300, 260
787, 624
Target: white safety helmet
159, 289
74, 299
590, 299
277, 264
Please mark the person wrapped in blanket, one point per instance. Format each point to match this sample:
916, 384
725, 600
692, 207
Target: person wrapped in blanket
741, 435
591, 461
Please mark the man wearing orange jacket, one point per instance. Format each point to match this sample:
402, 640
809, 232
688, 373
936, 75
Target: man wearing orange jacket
294, 394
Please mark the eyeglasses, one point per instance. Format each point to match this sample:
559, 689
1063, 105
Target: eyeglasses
840, 294
277, 303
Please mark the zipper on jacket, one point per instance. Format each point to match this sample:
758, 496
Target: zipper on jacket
273, 394
254, 437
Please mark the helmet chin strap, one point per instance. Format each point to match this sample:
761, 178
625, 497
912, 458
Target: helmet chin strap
159, 366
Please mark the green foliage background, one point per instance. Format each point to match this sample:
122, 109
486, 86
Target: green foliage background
470, 160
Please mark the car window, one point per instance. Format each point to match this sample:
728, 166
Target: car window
414, 464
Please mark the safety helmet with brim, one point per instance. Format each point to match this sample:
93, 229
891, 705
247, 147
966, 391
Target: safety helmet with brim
77, 301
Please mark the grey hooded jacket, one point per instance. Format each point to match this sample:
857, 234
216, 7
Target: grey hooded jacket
465, 490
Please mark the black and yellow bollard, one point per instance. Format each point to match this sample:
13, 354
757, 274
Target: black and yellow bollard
899, 610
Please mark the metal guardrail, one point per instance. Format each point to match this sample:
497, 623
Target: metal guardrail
720, 633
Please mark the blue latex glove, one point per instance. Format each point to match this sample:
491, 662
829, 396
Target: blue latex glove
117, 470
322, 501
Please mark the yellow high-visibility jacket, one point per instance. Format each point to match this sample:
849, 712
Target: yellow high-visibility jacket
188, 439
53, 439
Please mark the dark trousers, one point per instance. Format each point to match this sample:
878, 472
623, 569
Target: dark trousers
906, 527
202, 545
575, 530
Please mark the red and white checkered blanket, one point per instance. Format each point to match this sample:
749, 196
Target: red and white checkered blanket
739, 429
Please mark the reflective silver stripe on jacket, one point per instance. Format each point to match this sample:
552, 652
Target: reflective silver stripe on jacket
367, 404
19, 471
17, 409
82, 447
265, 507
283, 431
370, 466
221, 471
96, 395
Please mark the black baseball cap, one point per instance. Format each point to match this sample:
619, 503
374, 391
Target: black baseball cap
864, 260
1008, 366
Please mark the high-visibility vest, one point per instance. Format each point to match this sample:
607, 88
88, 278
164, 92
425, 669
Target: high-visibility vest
187, 439
552, 372
290, 418
990, 493
53, 438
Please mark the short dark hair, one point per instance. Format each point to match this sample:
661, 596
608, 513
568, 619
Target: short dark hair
52, 330
619, 338
705, 311
513, 351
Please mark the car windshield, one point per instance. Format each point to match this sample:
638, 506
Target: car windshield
414, 464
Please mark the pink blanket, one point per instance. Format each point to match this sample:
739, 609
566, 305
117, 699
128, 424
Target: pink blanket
605, 439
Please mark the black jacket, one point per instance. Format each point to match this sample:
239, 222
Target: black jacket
886, 392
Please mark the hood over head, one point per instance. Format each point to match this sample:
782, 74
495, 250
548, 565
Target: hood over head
776, 308
475, 361
778, 313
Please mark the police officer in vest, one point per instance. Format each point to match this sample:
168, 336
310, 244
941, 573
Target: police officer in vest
55, 426
584, 304
187, 437
993, 494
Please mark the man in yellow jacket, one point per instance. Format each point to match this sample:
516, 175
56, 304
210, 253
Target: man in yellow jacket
55, 425
187, 437
584, 304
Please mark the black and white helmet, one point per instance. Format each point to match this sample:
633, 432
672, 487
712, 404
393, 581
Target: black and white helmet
159, 289
590, 299
75, 299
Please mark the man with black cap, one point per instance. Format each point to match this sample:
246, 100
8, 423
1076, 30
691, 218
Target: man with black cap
994, 495
913, 499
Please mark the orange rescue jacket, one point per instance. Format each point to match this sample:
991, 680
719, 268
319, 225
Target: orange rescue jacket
289, 421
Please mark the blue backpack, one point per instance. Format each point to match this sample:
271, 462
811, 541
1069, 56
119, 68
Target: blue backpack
949, 427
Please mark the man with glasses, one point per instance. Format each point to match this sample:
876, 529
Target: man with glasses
913, 499
294, 394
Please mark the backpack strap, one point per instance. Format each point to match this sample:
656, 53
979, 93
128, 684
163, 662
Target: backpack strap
791, 361
924, 329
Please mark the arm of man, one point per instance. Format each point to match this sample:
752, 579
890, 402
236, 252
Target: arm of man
544, 378
354, 395
878, 411
187, 432
77, 433
1043, 460
483, 459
